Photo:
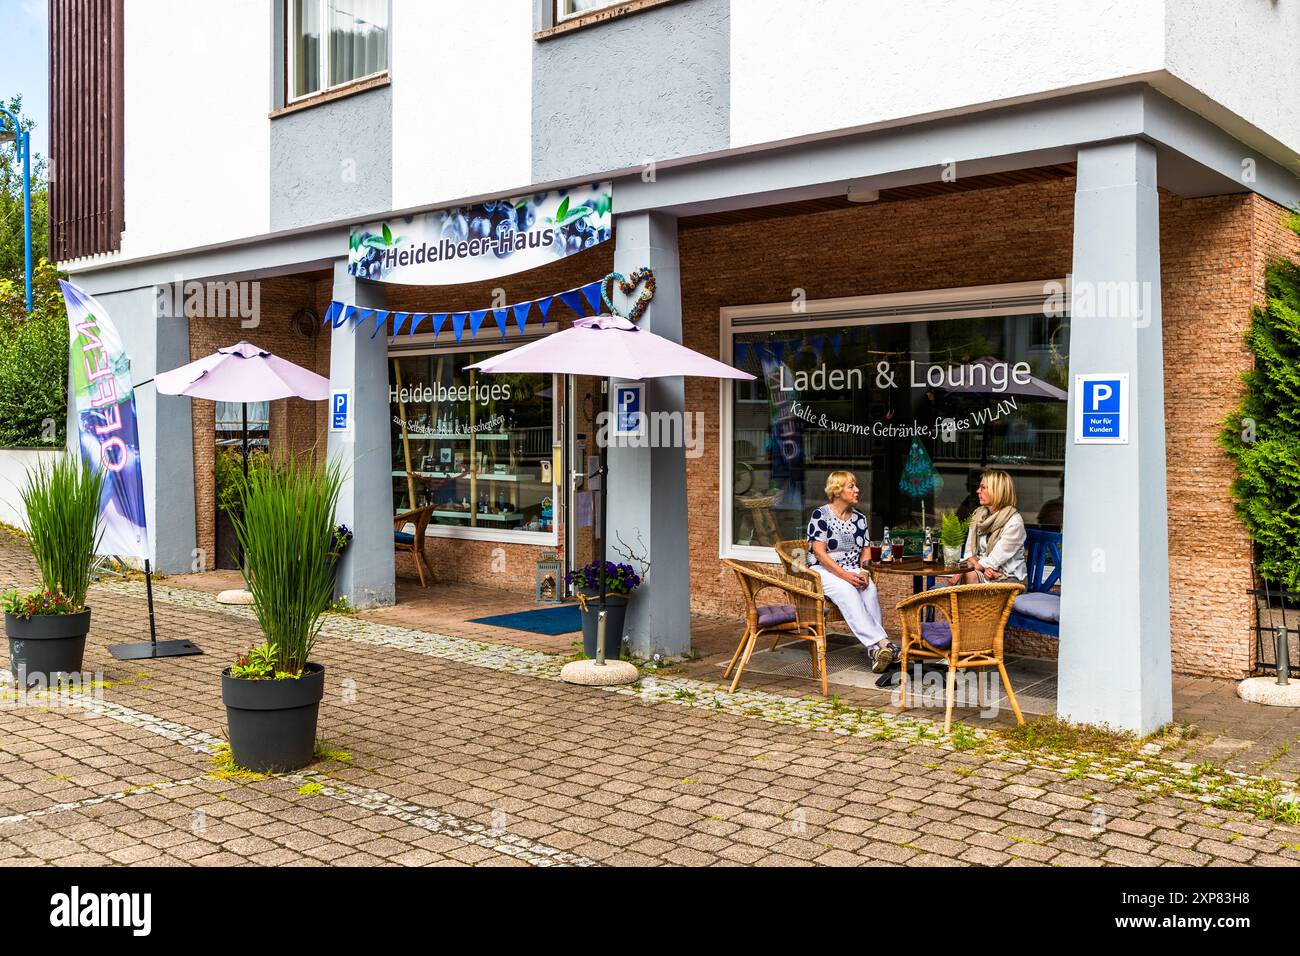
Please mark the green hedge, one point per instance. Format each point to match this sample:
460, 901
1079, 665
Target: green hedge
33, 362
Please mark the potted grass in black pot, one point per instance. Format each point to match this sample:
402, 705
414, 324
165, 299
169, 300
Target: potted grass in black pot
47, 627
272, 693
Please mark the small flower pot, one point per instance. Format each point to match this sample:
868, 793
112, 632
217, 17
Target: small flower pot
951, 556
44, 646
615, 617
272, 723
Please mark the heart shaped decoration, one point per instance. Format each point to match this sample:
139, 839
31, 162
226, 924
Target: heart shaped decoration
627, 285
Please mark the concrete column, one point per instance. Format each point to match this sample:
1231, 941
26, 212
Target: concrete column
647, 486
156, 341
1114, 656
358, 362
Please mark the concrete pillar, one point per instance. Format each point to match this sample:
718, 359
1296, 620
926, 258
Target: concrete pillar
1114, 659
647, 486
156, 341
358, 362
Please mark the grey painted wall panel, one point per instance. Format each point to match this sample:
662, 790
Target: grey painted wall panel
653, 85
332, 161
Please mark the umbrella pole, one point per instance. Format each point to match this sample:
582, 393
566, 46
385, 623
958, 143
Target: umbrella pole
604, 526
243, 441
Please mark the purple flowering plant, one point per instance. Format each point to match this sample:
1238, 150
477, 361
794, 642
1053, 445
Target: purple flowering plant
340, 539
619, 578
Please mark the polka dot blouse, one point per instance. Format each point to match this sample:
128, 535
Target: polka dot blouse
844, 537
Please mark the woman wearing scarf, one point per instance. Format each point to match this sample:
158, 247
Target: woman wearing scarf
995, 544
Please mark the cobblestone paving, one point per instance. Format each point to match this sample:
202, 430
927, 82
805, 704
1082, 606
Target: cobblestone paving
461, 752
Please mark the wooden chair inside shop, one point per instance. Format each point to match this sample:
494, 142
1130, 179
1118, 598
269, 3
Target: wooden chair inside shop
405, 542
970, 634
800, 612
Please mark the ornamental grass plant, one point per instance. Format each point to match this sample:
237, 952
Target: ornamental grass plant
284, 525
62, 505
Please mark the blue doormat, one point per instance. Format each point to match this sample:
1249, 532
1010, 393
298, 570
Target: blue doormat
547, 620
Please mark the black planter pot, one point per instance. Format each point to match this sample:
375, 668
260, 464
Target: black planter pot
615, 616
42, 647
272, 723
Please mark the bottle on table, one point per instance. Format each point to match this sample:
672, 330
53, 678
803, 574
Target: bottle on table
886, 547
928, 552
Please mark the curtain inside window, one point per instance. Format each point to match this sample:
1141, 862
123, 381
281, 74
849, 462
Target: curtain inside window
305, 31
358, 39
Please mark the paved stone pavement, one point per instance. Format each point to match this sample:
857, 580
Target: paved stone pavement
465, 752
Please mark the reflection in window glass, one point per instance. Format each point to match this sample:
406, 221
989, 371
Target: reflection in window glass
475, 448
967, 394
305, 36
572, 8
358, 39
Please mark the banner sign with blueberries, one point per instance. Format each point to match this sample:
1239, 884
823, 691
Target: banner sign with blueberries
483, 241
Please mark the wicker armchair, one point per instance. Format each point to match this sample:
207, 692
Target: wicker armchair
977, 617
801, 614
794, 557
413, 544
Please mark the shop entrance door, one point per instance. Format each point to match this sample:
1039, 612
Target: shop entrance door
582, 527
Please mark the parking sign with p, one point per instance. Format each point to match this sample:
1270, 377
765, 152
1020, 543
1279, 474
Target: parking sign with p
1101, 408
341, 410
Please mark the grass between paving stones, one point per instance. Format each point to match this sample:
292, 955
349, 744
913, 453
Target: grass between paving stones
1074, 751
225, 768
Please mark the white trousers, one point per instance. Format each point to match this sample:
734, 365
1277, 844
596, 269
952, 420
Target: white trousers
860, 606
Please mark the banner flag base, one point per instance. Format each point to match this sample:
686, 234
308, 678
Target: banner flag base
153, 647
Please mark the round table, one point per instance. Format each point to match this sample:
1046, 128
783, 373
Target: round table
918, 569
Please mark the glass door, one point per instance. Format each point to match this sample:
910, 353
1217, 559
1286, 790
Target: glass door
582, 527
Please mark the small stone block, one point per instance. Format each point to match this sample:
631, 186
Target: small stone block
1266, 690
591, 674
235, 597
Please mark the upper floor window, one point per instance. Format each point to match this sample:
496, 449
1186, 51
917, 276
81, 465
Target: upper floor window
566, 9
335, 42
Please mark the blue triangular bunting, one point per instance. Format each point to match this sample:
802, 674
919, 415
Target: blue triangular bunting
476, 321
458, 324
503, 317
592, 291
344, 314
332, 313
400, 319
439, 319
381, 321
544, 306
521, 315
573, 299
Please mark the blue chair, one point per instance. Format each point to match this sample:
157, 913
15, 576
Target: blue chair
1039, 608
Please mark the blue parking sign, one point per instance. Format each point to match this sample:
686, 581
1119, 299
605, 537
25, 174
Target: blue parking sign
1101, 408
629, 410
340, 409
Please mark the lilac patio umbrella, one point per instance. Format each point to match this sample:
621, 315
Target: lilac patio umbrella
607, 346
243, 373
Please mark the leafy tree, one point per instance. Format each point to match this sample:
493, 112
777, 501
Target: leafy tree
1263, 435
11, 201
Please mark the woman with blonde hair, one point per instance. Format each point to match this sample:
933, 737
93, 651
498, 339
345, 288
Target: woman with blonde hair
995, 544
837, 533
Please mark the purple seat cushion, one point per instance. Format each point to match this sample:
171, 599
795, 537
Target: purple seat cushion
1042, 605
937, 634
770, 615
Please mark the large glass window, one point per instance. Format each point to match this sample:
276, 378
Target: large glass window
356, 44
915, 409
477, 449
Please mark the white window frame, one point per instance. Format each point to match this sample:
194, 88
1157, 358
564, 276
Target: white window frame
1013, 298
561, 16
291, 52
422, 344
